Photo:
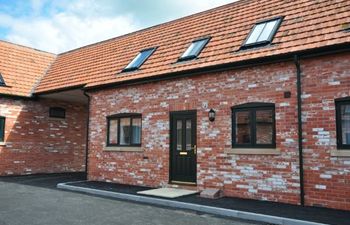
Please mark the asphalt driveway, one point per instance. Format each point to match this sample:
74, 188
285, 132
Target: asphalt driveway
34, 200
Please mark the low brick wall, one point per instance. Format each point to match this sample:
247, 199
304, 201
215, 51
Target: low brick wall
35, 143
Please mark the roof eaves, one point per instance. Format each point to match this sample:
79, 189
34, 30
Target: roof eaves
16, 96
51, 91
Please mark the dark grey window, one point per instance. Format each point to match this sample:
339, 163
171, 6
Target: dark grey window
124, 130
2, 128
343, 123
194, 49
263, 33
2, 81
57, 112
137, 62
253, 125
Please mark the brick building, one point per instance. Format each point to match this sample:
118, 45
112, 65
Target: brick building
33, 140
252, 98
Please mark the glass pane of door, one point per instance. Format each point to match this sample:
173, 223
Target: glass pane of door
179, 135
188, 135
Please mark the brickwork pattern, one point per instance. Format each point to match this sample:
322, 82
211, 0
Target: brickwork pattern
265, 177
36, 143
327, 178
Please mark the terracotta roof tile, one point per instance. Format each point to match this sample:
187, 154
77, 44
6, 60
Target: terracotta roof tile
307, 24
22, 68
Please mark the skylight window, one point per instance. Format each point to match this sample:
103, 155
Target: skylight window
2, 81
263, 32
194, 49
137, 62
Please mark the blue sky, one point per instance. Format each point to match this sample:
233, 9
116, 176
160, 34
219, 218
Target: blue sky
61, 25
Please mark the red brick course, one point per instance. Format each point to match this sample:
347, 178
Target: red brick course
267, 177
36, 143
264, 177
327, 178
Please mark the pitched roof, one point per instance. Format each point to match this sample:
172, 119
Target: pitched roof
307, 24
22, 68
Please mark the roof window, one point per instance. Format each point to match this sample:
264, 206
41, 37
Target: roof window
263, 32
194, 49
137, 62
2, 81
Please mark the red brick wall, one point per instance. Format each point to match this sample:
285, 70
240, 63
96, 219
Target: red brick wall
36, 143
264, 177
267, 177
327, 178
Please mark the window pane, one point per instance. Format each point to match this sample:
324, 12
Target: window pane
264, 36
57, 112
134, 61
243, 133
195, 48
136, 131
264, 127
198, 47
2, 81
113, 132
345, 123
139, 59
188, 135
2, 129
179, 135
188, 51
256, 33
125, 131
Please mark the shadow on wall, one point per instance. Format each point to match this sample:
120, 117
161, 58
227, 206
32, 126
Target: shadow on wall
37, 143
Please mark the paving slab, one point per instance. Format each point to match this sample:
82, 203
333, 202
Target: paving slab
167, 192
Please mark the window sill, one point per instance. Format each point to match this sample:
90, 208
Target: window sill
253, 151
3, 144
340, 153
122, 149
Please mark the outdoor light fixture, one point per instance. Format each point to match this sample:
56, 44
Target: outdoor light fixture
211, 115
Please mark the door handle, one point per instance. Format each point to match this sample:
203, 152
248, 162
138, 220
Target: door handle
195, 149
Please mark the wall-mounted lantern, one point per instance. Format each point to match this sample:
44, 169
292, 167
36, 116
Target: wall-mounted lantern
211, 115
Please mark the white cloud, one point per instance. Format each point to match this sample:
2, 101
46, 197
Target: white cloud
64, 25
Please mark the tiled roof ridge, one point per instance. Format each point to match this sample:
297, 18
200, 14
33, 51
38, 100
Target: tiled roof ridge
153, 27
22, 67
38, 81
27, 47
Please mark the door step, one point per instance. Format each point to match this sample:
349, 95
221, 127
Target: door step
168, 192
183, 185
